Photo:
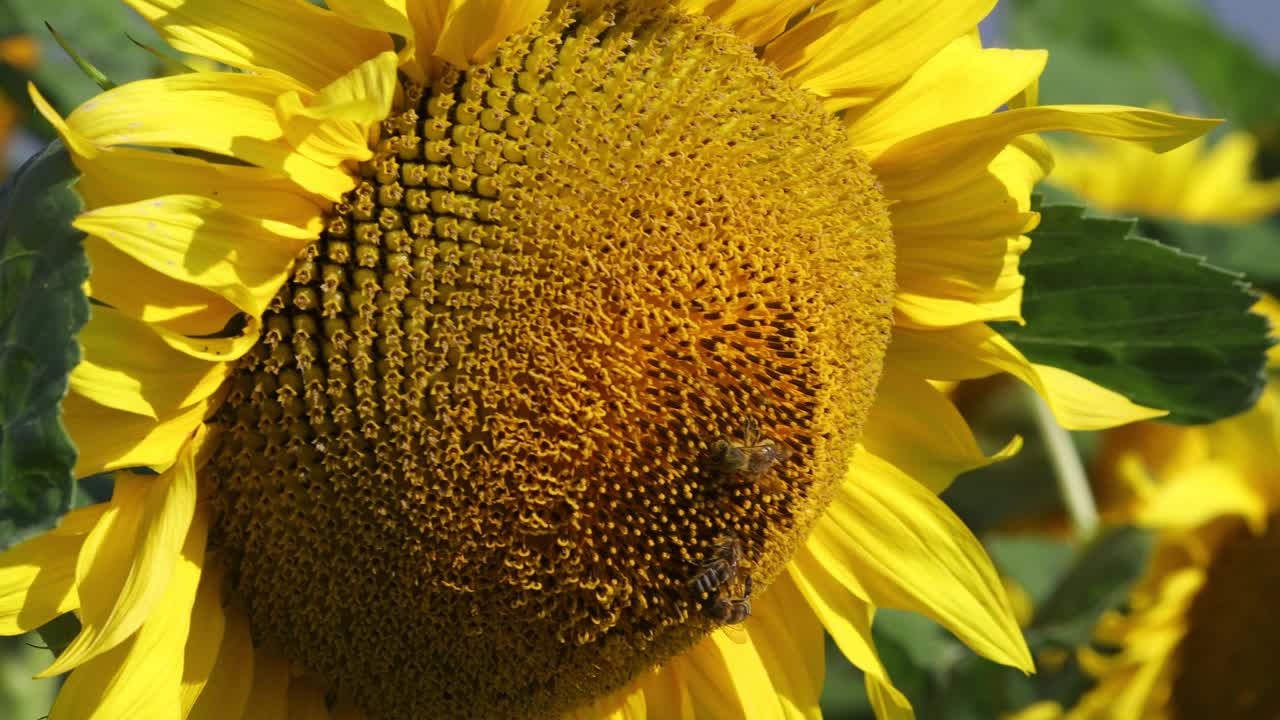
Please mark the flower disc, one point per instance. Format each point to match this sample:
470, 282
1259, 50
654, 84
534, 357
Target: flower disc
1228, 663
469, 470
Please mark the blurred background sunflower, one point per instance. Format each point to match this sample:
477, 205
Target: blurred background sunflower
942, 677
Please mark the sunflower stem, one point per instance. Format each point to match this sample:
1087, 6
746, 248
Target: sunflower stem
1068, 469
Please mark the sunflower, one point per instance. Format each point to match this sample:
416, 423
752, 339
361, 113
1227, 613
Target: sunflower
20, 52
486, 358
1194, 183
1195, 639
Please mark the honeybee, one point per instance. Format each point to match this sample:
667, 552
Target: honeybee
730, 611
721, 567
753, 458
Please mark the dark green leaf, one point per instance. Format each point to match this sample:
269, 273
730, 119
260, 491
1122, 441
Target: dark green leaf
42, 307
1099, 580
58, 633
1159, 326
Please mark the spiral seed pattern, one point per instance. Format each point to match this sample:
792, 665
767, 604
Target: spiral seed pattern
463, 473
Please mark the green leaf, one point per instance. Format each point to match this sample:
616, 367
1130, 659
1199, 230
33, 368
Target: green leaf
42, 307
1099, 580
58, 633
1157, 325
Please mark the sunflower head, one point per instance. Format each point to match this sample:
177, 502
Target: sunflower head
500, 353
1197, 639
566, 276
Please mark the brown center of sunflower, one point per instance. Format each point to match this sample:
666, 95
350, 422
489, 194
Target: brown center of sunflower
1229, 660
601, 314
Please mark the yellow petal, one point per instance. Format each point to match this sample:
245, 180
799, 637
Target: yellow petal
851, 53
788, 638
945, 156
629, 703
846, 617
666, 693
975, 351
128, 366
179, 306
269, 698
473, 29
427, 18
334, 125
1195, 496
727, 678
128, 562
292, 38
38, 576
915, 427
962, 81
77, 143
913, 553
194, 239
306, 701
389, 16
208, 623
119, 176
134, 440
887, 702
226, 692
756, 21
140, 677
230, 114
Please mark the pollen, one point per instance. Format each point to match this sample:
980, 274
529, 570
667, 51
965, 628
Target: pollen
477, 463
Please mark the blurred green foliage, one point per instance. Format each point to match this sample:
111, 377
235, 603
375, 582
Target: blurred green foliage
99, 30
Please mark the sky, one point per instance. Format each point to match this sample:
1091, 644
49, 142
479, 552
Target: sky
1258, 21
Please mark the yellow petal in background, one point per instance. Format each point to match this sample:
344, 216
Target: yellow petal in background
915, 554
141, 677
289, 38
128, 562
1195, 496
